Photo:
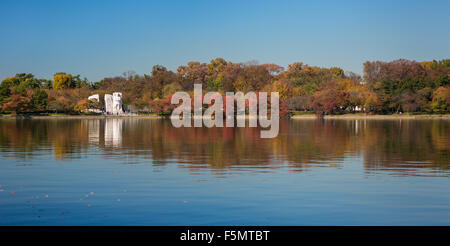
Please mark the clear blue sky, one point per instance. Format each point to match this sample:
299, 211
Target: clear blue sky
105, 38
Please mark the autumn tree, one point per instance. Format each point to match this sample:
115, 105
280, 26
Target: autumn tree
283, 87
62, 81
229, 75
309, 78
82, 105
329, 99
193, 73
61, 104
17, 103
161, 106
22, 93
255, 78
273, 69
404, 84
160, 77
441, 100
215, 79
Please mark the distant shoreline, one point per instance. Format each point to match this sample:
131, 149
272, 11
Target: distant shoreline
81, 117
374, 117
305, 116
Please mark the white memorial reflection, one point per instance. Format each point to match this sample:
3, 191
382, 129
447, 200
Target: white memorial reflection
94, 131
113, 132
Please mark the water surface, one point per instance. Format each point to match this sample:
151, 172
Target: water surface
146, 172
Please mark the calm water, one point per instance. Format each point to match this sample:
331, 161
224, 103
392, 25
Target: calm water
145, 172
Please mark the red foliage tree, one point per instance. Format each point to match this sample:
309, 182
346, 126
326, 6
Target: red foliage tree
329, 99
17, 103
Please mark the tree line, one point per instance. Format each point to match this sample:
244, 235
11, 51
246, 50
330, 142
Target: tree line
385, 87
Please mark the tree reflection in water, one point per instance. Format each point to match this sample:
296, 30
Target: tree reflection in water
402, 146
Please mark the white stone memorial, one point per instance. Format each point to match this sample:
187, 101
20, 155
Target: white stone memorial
113, 103
94, 97
108, 103
117, 103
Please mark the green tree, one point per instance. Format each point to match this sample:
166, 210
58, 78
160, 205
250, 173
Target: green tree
5, 91
39, 100
77, 82
46, 84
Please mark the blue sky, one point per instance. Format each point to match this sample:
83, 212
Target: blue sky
98, 39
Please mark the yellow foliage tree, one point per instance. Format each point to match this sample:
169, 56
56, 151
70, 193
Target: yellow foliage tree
283, 88
62, 81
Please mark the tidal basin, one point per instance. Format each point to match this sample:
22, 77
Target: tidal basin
146, 172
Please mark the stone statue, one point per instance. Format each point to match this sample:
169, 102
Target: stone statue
117, 103
113, 103
108, 103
